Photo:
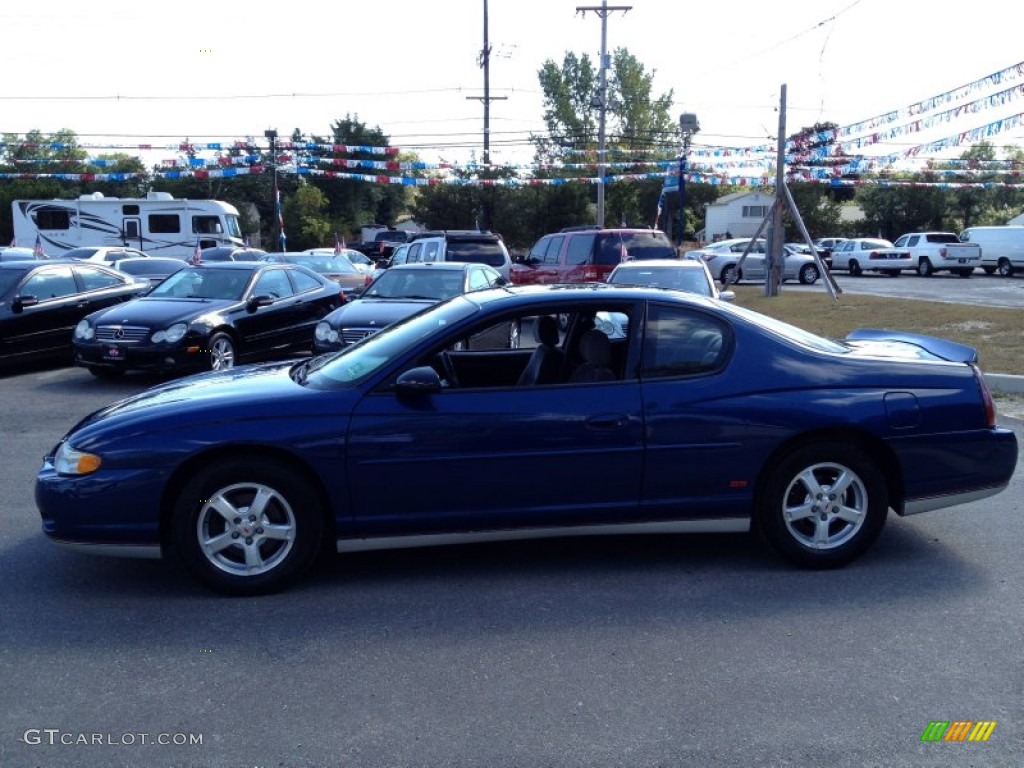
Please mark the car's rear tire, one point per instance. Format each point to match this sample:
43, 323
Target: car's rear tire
808, 274
221, 352
247, 526
822, 505
925, 268
855, 270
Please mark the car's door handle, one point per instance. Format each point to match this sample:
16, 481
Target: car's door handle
614, 421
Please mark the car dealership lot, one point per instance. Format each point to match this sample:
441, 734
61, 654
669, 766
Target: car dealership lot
637, 651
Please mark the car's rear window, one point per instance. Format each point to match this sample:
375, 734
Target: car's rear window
476, 251
622, 246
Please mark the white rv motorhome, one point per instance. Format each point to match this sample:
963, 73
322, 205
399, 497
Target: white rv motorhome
158, 224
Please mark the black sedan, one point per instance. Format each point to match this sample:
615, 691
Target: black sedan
41, 301
230, 253
152, 268
209, 316
398, 293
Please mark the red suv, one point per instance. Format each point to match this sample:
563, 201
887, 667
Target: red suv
588, 254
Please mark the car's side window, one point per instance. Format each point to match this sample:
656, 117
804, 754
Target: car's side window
50, 284
539, 248
93, 279
478, 279
430, 250
581, 248
554, 249
681, 342
273, 283
303, 282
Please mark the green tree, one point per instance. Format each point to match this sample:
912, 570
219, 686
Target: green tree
305, 223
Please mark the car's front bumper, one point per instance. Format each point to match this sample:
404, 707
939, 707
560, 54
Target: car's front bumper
141, 357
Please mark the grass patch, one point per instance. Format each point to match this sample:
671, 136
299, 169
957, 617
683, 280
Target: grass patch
996, 332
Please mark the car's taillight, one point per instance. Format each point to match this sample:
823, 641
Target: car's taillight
986, 397
368, 279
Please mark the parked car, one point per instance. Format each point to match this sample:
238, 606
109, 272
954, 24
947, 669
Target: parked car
357, 259
709, 418
723, 259
826, 245
152, 268
940, 252
41, 301
871, 254
1002, 248
231, 253
461, 245
209, 316
586, 254
20, 254
689, 275
336, 268
104, 254
397, 293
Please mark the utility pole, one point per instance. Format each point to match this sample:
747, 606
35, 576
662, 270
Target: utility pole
484, 61
688, 126
775, 255
271, 136
602, 97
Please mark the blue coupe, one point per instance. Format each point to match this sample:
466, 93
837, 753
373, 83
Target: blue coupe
704, 417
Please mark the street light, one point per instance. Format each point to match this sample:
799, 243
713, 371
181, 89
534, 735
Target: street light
688, 126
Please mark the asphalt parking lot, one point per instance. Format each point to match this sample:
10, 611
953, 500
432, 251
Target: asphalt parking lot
645, 651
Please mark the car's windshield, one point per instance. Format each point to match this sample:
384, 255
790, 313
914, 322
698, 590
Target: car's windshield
423, 283
8, 279
356, 257
379, 349
150, 266
621, 246
677, 278
203, 283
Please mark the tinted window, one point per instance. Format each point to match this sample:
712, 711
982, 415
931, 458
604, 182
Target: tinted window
273, 283
206, 225
151, 266
678, 342
93, 279
304, 282
8, 279
478, 252
580, 249
204, 283
164, 223
50, 284
52, 218
637, 245
691, 280
554, 250
80, 253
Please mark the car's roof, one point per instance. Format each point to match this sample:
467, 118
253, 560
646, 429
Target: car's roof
435, 266
647, 263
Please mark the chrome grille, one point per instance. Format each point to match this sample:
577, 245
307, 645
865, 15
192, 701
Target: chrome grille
352, 335
123, 333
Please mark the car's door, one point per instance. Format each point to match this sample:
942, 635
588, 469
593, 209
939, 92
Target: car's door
754, 266
101, 289
263, 329
496, 457
311, 304
694, 459
45, 323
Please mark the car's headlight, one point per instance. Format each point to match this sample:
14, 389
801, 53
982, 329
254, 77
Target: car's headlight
69, 461
84, 331
324, 332
175, 333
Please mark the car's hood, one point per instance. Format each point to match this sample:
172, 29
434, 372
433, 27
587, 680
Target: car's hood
153, 312
877, 342
376, 312
249, 393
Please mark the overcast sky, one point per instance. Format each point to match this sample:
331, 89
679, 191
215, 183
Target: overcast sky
225, 69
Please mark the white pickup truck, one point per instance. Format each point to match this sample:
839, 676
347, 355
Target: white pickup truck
940, 252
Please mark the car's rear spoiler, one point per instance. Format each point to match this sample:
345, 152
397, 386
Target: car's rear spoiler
943, 348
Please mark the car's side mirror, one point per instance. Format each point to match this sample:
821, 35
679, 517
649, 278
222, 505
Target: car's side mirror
421, 380
498, 283
18, 303
255, 302
727, 295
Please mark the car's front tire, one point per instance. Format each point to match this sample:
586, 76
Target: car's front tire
730, 275
925, 268
221, 352
808, 274
822, 505
247, 526
855, 270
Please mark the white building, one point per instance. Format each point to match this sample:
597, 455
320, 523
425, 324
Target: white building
736, 215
